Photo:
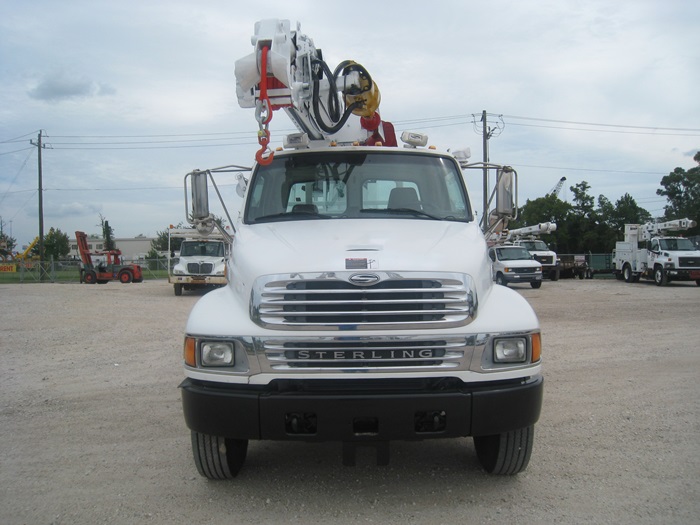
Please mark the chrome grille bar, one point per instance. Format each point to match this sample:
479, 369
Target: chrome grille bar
331, 301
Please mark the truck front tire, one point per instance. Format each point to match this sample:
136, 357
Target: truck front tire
178, 289
507, 453
536, 284
501, 280
660, 276
218, 458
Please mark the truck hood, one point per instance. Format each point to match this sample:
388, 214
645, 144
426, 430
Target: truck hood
347, 245
386, 245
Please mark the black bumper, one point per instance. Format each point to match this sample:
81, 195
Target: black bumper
362, 415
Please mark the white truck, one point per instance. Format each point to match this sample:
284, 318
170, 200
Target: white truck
527, 237
201, 263
360, 307
648, 252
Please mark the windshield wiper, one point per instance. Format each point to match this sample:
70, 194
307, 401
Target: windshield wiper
404, 211
290, 216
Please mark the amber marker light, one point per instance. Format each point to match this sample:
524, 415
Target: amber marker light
190, 346
536, 347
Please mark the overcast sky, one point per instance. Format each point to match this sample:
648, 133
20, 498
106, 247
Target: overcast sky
132, 95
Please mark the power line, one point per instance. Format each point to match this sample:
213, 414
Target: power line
601, 125
589, 169
611, 131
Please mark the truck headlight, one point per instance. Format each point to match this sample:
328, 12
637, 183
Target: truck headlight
216, 353
511, 350
178, 271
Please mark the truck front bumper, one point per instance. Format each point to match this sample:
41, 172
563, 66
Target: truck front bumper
313, 411
198, 280
511, 278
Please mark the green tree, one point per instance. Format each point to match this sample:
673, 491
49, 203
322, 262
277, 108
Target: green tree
545, 209
682, 190
56, 244
107, 234
627, 211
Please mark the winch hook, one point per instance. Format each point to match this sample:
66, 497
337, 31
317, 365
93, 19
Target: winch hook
263, 114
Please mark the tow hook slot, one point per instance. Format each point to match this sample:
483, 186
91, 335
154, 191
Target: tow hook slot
301, 423
365, 426
430, 422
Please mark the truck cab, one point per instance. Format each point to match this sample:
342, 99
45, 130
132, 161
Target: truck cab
542, 254
201, 262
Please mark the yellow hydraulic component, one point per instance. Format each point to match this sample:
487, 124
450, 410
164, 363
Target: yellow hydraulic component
25, 254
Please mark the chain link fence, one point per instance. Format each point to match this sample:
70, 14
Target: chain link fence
69, 271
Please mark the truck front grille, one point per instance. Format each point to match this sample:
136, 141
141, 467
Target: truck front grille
525, 270
689, 262
332, 301
544, 259
199, 268
362, 353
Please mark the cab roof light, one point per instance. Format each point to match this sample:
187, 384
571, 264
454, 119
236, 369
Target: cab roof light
414, 140
296, 141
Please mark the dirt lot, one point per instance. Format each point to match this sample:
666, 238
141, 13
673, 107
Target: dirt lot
91, 429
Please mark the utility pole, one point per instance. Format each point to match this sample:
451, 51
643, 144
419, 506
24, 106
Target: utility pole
40, 146
485, 148
486, 133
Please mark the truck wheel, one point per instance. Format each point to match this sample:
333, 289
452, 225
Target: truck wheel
125, 277
660, 277
90, 277
507, 453
627, 273
218, 458
536, 284
500, 280
589, 273
697, 281
178, 289
554, 274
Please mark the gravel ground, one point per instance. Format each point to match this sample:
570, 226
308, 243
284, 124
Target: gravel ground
91, 427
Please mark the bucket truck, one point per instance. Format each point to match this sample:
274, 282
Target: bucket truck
360, 307
648, 252
527, 237
202, 260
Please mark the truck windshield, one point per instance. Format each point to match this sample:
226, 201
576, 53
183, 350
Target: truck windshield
358, 184
678, 245
201, 249
535, 246
513, 254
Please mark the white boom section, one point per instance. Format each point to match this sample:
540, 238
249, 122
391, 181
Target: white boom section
287, 71
537, 229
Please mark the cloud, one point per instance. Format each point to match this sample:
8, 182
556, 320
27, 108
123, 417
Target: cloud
60, 86
72, 209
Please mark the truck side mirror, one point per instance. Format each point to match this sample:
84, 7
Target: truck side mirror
200, 195
505, 203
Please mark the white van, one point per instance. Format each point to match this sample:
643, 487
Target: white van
514, 264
